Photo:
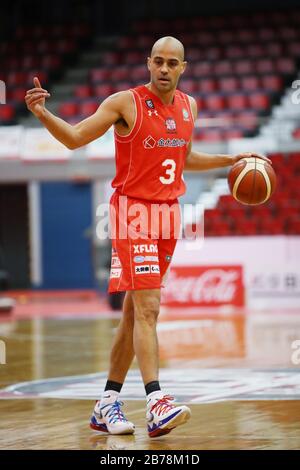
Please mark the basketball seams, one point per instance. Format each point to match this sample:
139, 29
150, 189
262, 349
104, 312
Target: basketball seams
257, 167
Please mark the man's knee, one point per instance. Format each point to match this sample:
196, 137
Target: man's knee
146, 306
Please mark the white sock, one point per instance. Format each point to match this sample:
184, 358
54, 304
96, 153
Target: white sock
153, 397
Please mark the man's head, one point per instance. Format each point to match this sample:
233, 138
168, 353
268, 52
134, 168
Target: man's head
166, 63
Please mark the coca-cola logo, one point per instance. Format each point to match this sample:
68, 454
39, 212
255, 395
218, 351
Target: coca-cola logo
204, 286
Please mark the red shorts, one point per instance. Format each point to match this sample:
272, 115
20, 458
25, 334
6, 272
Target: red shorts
144, 236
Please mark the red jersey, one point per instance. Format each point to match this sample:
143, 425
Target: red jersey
151, 158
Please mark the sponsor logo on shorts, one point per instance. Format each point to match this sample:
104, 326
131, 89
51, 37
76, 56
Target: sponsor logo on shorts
155, 268
115, 272
143, 269
139, 259
115, 262
152, 258
145, 249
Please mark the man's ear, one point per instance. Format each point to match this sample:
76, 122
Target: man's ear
148, 62
184, 64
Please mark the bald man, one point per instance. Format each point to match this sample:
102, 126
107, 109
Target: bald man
153, 127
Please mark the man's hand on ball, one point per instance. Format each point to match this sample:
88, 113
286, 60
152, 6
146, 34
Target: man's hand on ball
236, 158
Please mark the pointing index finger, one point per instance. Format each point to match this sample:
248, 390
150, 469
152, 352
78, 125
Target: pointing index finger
37, 82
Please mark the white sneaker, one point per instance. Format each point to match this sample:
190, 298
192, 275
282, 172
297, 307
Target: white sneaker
110, 418
162, 416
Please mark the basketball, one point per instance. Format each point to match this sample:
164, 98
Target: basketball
252, 181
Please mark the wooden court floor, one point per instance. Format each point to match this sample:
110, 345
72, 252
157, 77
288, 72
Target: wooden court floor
236, 371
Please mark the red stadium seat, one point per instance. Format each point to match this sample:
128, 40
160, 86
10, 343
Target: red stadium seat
120, 73
16, 78
272, 82
293, 227
233, 133
188, 85
215, 102
83, 91
272, 226
223, 67
103, 91
246, 227
228, 84
212, 135
207, 85
18, 94
273, 49
234, 52
285, 65
7, 113
255, 50
250, 83
264, 66
260, 101
237, 101
244, 67
100, 74
68, 109
202, 69
87, 108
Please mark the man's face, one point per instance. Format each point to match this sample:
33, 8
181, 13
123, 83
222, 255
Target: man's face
165, 69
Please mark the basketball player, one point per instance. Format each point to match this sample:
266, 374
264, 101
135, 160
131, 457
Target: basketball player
153, 127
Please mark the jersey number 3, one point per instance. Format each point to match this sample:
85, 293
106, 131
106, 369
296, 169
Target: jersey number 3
170, 172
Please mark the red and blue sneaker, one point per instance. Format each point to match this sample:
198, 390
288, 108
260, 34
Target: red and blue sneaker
109, 418
163, 416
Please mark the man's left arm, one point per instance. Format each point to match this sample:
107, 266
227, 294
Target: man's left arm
199, 161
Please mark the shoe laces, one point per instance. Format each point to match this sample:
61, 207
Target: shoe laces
114, 413
163, 405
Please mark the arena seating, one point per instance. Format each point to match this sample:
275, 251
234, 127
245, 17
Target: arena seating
45, 52
281, 215
237, 68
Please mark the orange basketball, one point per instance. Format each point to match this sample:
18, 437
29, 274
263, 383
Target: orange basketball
252, 180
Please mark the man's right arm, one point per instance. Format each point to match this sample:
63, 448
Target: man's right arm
109, 112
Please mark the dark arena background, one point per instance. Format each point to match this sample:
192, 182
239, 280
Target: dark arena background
229, 324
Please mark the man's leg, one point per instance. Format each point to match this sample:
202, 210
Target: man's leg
162, 414
146, 309
107, 415
122, 352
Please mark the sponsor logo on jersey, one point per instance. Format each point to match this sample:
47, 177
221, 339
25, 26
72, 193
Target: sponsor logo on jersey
171, 143
143, 269
115, 262
115, 272
137, 249
149, 142
150, 113
185, 113
149, 104
139, 259
171, 125
155, 268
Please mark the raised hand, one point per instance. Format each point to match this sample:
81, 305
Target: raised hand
35, 98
